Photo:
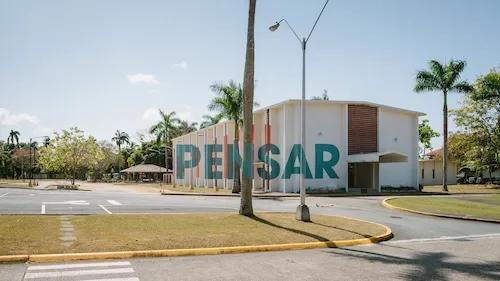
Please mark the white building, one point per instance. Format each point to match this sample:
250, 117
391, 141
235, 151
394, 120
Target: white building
431, 169
349, 145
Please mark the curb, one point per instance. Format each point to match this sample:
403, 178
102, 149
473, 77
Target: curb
389, 206
198, 251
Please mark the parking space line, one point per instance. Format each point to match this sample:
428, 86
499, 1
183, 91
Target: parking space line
113, 202
78, 265
73, 273
4, 194
116, 279
43, 210
105, 209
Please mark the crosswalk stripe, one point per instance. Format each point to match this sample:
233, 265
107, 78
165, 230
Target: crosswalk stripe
78, 265
52, 274
114, 202
105, 209
115, 279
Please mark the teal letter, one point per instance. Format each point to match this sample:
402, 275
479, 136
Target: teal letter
295, 155
183, 164
274, 165
212, 160
327, 165
234, 158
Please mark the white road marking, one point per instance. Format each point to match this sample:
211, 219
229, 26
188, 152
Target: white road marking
116, 279
4, 194
76, 202
43, 210
78, 265
113, 202
443, 238
53, 274
104, 208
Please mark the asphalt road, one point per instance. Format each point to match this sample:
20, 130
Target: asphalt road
424, 248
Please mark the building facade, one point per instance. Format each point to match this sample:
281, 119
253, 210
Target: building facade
349, 145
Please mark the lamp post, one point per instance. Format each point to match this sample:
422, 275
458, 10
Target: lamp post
302, 212
32, 159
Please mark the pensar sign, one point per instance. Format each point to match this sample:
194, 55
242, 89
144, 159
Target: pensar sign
189, 156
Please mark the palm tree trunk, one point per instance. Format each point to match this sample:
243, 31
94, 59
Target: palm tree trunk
246, 208
236, 172
445, 142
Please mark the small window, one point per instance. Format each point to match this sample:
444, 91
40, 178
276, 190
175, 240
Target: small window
433, 174
422, 173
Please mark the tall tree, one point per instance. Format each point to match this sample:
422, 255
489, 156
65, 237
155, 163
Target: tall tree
185, 127
70, 153
324, 96
426, 133
228, 103
120, 138
164, 130
246, 208
13, 137
209, 120
444, 78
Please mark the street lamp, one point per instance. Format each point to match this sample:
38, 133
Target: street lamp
302, 212
33, 159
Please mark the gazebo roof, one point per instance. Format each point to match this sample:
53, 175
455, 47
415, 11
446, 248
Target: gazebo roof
144, 168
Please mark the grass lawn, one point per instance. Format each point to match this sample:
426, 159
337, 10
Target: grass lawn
464, 188
99, 233
487, 207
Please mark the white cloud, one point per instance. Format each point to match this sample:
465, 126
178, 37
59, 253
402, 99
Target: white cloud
11, 119
141, 78
183, 65
151, 114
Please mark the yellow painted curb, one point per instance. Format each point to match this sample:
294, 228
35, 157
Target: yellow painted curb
389, 206
200, 251
14, 258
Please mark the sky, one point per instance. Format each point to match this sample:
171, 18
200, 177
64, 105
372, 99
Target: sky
109, 65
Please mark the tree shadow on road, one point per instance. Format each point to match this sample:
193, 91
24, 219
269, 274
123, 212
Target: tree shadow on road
428, 265
297, 231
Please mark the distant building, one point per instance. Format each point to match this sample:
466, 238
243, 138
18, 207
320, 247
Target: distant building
349, 145
431, 169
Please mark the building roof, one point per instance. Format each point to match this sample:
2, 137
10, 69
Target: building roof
342, 102
145, 168
292, 101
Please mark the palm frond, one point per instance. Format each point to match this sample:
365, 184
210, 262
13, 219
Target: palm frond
462, 87
426, 81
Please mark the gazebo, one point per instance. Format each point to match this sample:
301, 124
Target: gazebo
144, 172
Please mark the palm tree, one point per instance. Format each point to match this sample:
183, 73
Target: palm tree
210, 120
324, 96
164, 130
13, 137
246, 208
228, 102
120, 138
184, 127
444, 78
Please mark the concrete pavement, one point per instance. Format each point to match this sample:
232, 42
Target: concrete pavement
461, 250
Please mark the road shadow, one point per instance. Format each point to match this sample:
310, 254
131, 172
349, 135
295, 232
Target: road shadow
428, 266
343, 229
297, 231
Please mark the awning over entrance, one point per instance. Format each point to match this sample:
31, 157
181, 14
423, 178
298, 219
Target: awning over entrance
379, 157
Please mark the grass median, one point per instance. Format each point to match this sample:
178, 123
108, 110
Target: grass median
483, 207
464, 188
101, 233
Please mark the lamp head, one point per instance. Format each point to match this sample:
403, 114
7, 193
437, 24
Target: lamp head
274, 27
